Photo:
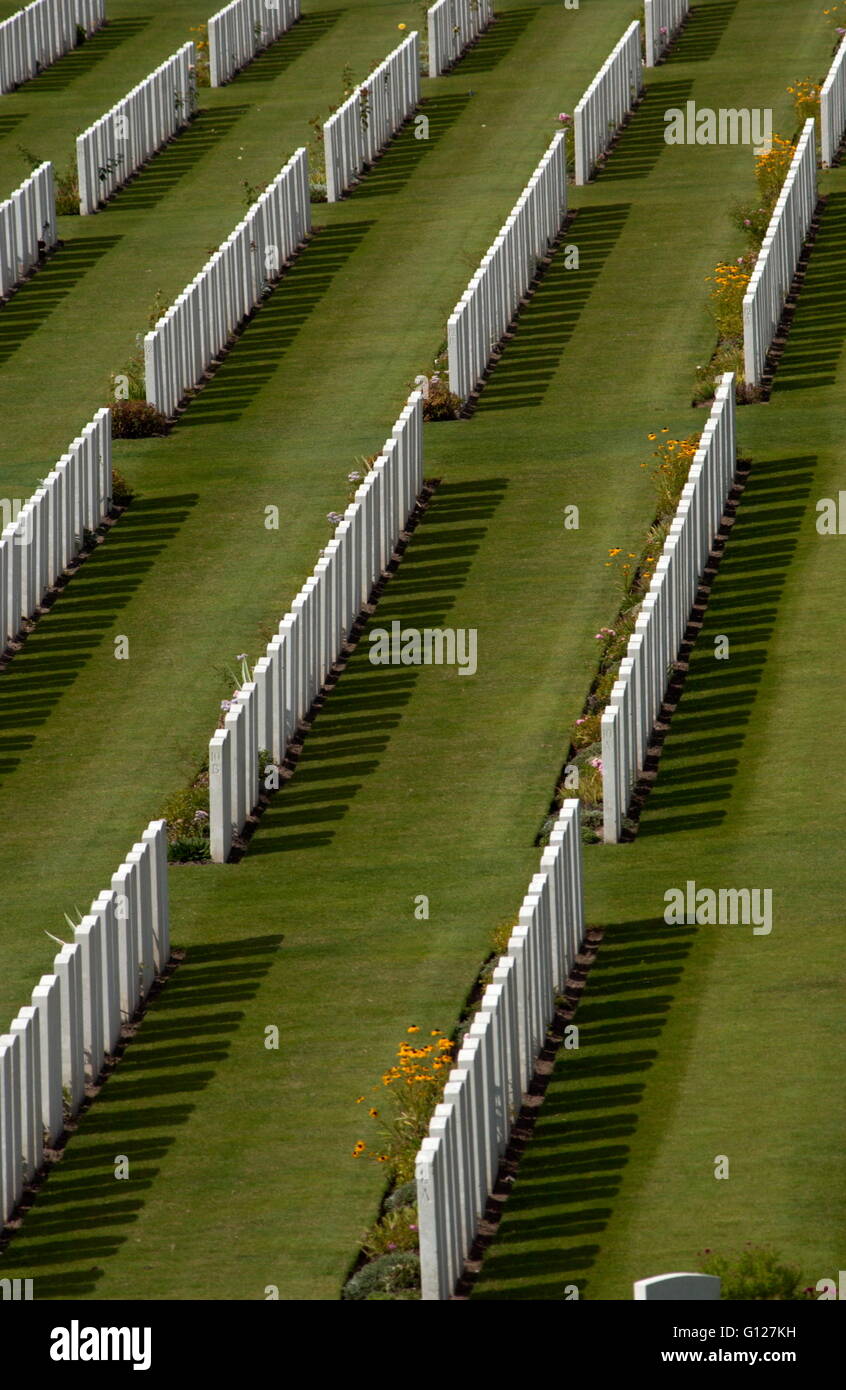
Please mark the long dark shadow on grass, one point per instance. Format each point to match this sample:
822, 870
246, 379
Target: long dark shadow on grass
37, 297
254, 358
82, 59
817, 334
640, 144
366, 706
84, 1213
9, 120
701, 36
268, 65
575, 1161
83, 617
178, 158
695, 777
529, 361
496, 42
394, 168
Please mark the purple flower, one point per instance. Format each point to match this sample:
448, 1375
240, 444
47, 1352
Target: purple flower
353, 477
201, 815
226, 704
334, 518
392, 1245
242, 656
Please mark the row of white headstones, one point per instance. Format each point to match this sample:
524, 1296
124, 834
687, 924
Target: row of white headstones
61, 1040
240, 31
40, 34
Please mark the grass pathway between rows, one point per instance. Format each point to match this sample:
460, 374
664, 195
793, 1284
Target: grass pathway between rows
415, 782
701, 1041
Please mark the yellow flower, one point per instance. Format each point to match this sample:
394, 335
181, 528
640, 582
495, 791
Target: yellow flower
372, 1112
402, 26
652, 436
615, 551
413, 1029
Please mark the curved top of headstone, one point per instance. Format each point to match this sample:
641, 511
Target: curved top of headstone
677, 1286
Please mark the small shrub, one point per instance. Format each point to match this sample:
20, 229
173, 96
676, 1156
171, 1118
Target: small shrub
397, 1274
122, 493
602, 690
403, 1196
729, 283
136, 420
440, 403
501, 936
591, 825
670, 471
203, 72
752, 222
131, 383
188, 849
589, 790
727, 358
756, 1275
187, 816
771, 169
67, 189
414, 1085
586, 730
66, 182
397, 1230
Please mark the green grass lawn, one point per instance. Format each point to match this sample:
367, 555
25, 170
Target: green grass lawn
413, 782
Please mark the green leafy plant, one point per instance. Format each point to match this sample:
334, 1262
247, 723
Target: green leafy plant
187, 816
396, 1230
66, 182
252, 192
413, 1086
755, 1275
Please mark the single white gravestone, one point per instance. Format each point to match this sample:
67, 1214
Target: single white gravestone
677, 1286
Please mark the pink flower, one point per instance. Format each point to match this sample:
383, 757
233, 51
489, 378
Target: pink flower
563, 117
596, 762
